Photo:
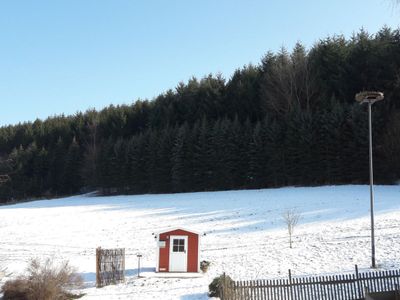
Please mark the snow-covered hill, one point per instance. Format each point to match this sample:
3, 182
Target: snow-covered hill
245, 234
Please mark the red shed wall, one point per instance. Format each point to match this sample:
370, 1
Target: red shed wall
192, 255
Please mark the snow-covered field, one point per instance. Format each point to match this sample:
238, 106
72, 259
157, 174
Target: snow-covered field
245, 234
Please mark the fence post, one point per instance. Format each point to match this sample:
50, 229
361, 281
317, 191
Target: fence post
222, 287
366, 292
290, 285
360, 292
123, 264
98, 266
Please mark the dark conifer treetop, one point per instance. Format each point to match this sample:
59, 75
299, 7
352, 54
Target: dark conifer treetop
291, 120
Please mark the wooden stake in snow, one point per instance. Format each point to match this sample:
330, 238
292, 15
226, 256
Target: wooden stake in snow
291, 218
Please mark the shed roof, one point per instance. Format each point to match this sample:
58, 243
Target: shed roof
177, 228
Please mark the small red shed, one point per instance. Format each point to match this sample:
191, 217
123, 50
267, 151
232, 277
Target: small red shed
178, 250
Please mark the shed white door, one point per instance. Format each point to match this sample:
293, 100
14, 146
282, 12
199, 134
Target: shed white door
178, 253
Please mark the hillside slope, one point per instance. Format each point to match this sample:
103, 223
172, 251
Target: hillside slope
245, 234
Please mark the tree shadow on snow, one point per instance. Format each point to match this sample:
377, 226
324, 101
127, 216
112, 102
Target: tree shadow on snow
197, 296
89, 278
134, 272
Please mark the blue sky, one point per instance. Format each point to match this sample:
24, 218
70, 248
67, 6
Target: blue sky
67, 56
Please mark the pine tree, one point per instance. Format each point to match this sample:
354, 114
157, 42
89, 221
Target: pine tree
41, 171
220, 155
151, 158
57, 167
299, 145
258, 158
163, 166
104, 178
72, 172
179, 160
202, 167
136, 158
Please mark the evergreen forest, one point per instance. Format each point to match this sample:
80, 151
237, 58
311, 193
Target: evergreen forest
291, 120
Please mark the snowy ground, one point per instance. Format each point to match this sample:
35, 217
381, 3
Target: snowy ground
245, 234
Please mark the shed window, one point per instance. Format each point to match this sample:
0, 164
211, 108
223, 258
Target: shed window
178, 245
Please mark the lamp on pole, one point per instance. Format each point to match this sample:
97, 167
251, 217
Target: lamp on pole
370, 98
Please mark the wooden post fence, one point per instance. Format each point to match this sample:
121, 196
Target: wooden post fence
110, 266
331, 287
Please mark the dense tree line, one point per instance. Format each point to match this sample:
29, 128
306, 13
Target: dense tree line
291, 120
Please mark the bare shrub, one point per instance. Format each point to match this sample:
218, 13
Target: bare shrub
291, 218
15, 289
218, 283
44, 281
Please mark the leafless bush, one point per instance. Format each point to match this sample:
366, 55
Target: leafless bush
44, 281
291, 218
16, 289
